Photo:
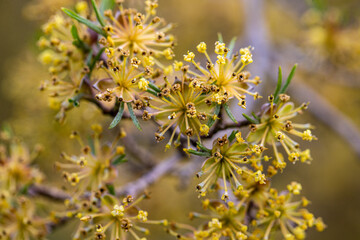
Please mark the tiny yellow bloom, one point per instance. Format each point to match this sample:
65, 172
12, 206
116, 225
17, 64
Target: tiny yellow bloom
118, 211
178, 65
239, 139
307, 136
201, 47
189, 56
143, 84
221, 59
219, 48
81, 7
204, 129
215, 223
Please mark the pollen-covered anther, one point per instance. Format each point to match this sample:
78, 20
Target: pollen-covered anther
284, 98
189, 132
280, 136
159, 137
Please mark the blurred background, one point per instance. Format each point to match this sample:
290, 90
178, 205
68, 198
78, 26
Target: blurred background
323, 37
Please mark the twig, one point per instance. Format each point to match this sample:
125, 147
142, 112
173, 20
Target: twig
224, 126
51, 193
144, 156
133, 188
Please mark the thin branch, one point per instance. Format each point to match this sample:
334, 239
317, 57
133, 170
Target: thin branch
51, 193
224, 126
163, 168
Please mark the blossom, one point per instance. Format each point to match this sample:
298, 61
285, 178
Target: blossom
94, 167
226, 76
121, 220
226, 161
180, 106
140, 34
275, 128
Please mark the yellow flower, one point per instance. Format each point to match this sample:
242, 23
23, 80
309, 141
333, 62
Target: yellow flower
215, 223
201, 47
143, 84
221, 59
189, 56
220, 48
118, 211
204, 129
178, 65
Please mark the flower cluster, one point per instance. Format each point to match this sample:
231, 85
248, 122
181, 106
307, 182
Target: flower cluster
226, 161
119, 220
227, 74
16, 172
144, 35
64, 57
273, 212
95, 166
18, 214
275, 127
115, 57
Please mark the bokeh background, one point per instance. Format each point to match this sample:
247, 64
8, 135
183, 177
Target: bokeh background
323, 37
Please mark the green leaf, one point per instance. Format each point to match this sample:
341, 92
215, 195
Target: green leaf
202, 147
255, 117
77, 41
154, 87
106, 4
133, 117
85, 21
95, 59
279, 83
24, 190
118, 116
111, 189
288, 80
152, 92
220, 38
194, 152
99, 16
91, 145
232, 135
119, 159
217, 111
249, 118
231, 46
109, 200
229, 113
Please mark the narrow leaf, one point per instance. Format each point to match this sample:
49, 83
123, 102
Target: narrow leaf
203, 148
95, 59
91, 145
106, 4
119, 159
220, 38
288, 80
232, 135
279, 83
152, 92
249, 118
77, 41
99, 16
229, 113
154, 87
255, 117
231, 47
111, 189
118, 116
194, 152
133, 117
216, 113
85, 21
